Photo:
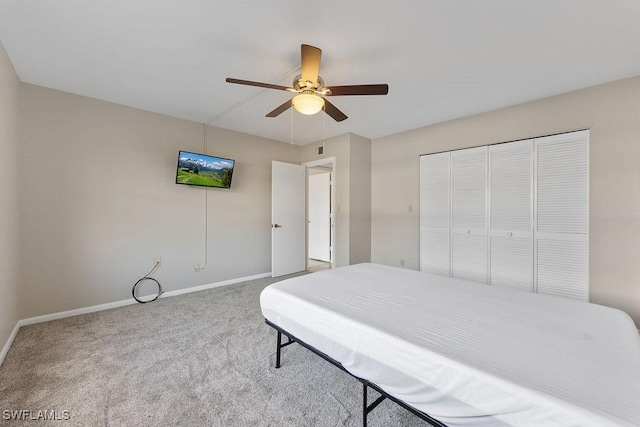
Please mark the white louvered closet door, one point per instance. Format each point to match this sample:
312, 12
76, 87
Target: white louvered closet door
434, 213
562, 217
511, 215
468, 214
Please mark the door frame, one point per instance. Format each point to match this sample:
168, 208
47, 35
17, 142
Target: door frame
326, 161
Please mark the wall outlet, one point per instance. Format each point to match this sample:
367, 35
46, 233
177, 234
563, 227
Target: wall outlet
401, 262
197, 268
157, 260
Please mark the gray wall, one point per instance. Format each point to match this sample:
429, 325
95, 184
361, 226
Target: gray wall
353, 195
100, 202
9, 86
360, 195
611, 111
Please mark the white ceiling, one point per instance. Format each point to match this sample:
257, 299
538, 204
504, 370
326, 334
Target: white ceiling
442, 59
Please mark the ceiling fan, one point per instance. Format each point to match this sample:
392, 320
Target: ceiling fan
311, 89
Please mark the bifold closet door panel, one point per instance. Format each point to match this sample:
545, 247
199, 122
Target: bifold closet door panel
434, 252
469, 256
562, 232
511, 215
563, 268
469, 214
511, 262
434, 213
468, 189
563, 183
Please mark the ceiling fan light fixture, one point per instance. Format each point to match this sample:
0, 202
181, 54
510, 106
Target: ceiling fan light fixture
307, 103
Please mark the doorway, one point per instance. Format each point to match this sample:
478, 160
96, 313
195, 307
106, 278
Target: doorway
320, 214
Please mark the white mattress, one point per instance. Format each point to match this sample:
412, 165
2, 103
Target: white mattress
465, 353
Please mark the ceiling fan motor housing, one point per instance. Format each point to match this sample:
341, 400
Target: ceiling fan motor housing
305, 87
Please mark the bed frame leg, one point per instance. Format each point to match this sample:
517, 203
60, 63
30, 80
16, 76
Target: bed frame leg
364, 405
366, 408
278, 348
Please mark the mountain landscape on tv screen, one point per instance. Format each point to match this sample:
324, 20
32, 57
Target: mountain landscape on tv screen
195, 171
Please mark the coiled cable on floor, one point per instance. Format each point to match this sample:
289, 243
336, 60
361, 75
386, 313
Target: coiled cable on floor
142, 279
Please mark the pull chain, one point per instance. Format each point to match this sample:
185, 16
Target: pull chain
291, 125
324, 124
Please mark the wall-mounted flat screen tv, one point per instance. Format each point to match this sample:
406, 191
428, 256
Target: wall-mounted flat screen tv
204, 170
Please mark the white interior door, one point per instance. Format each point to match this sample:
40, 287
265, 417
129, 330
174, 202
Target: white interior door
320, 216
288, 184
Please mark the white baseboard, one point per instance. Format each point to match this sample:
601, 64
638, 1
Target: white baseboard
116, 304
212, 285
7, 345
76, 312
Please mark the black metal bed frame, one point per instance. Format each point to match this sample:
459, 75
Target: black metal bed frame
366, 408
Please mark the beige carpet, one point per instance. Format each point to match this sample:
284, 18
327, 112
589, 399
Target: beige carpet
200, 359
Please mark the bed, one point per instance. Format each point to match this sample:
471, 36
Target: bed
460, 353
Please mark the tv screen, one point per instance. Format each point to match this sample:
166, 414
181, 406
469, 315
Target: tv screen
204, 170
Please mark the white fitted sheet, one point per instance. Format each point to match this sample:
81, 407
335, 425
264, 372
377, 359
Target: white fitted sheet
465, 353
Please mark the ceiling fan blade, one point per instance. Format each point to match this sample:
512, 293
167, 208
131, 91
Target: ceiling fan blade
310, 63
381, 89
257, 84
333, 111
279, 110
